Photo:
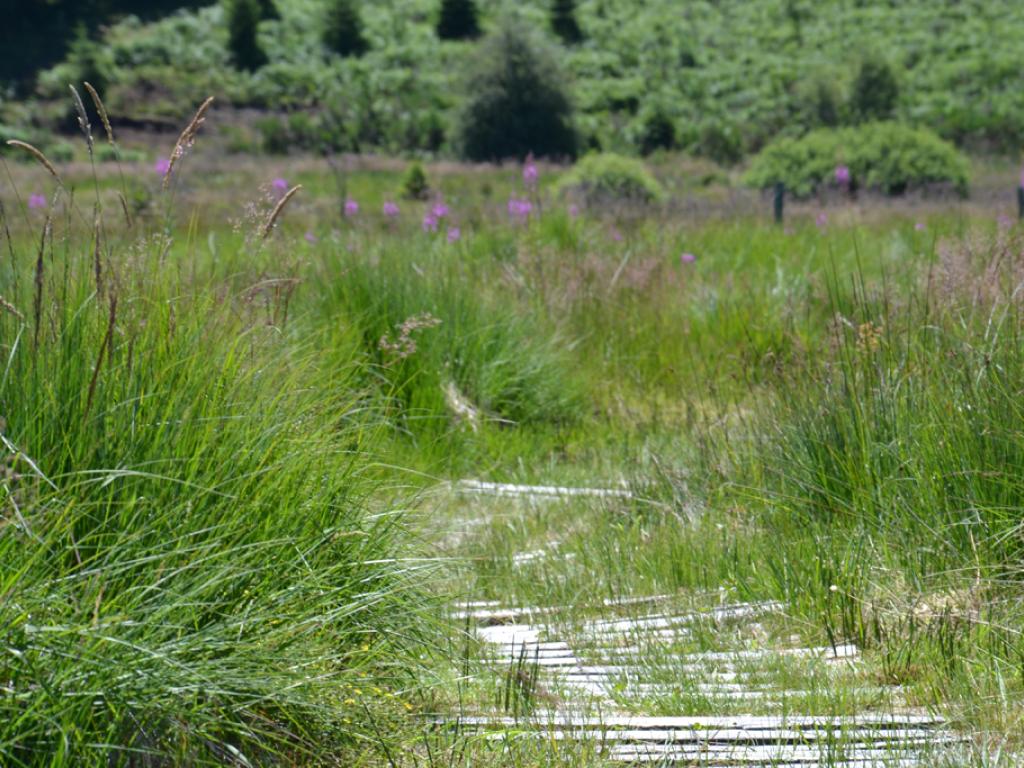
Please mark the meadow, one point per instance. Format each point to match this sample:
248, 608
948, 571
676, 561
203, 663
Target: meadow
235, 393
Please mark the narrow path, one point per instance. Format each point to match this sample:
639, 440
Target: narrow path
629, 681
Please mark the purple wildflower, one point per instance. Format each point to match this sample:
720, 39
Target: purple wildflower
390, 209
454, 234
440, 210
920, 227
574, 211
687, 258
429, 222
279, 185
36, 200
351, 207
311, 238
530, 173
821, 220
162, 165
520, 208
842, 175
616, 235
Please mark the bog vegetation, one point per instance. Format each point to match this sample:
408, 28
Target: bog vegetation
235, 391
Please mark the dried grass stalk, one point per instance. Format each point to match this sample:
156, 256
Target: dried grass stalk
8, 307
39, 156
102, 111
186, 139
124, 207
83, 118
97, 254
274, 214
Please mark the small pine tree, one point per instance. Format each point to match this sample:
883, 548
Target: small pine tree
563, 21
875, 91
269, 11
343, 29
243, 20
458, 20
516, 100
414, 183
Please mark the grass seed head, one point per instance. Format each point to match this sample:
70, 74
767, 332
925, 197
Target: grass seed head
186, 139
39, 156
102, 111
274, 214
83, 118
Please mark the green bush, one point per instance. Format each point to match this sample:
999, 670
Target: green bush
657, 130
887, 157
875, 91
243, 21
516, 101
605, 178
458, 20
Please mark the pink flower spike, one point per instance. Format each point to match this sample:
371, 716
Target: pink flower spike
687, 258
429, 222
279, 185
574, 211
454, 234
842, 175
390, 209
351, 207
530, 172
440, 210
162, 165
36, 200
821, 220
311, 238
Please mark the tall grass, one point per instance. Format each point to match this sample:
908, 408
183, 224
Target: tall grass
193, 571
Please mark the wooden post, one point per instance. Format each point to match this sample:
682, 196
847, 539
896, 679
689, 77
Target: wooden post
779, 201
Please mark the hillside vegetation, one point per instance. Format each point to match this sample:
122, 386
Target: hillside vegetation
716, 78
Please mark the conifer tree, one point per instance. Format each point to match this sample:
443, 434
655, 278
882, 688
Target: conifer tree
564, 23
459, 20
243, 20
343, 29
269, 11
517, 102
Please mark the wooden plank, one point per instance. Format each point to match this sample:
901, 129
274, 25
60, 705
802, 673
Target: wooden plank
711, 722
515, 490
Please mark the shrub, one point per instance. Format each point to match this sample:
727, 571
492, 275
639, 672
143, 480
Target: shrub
720, 142
414, 183
874, 92
273, 135
243, 21
516, 102
458, 20
817, 103
604, 178
887, 157
657, 130
564, 23
343, 29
